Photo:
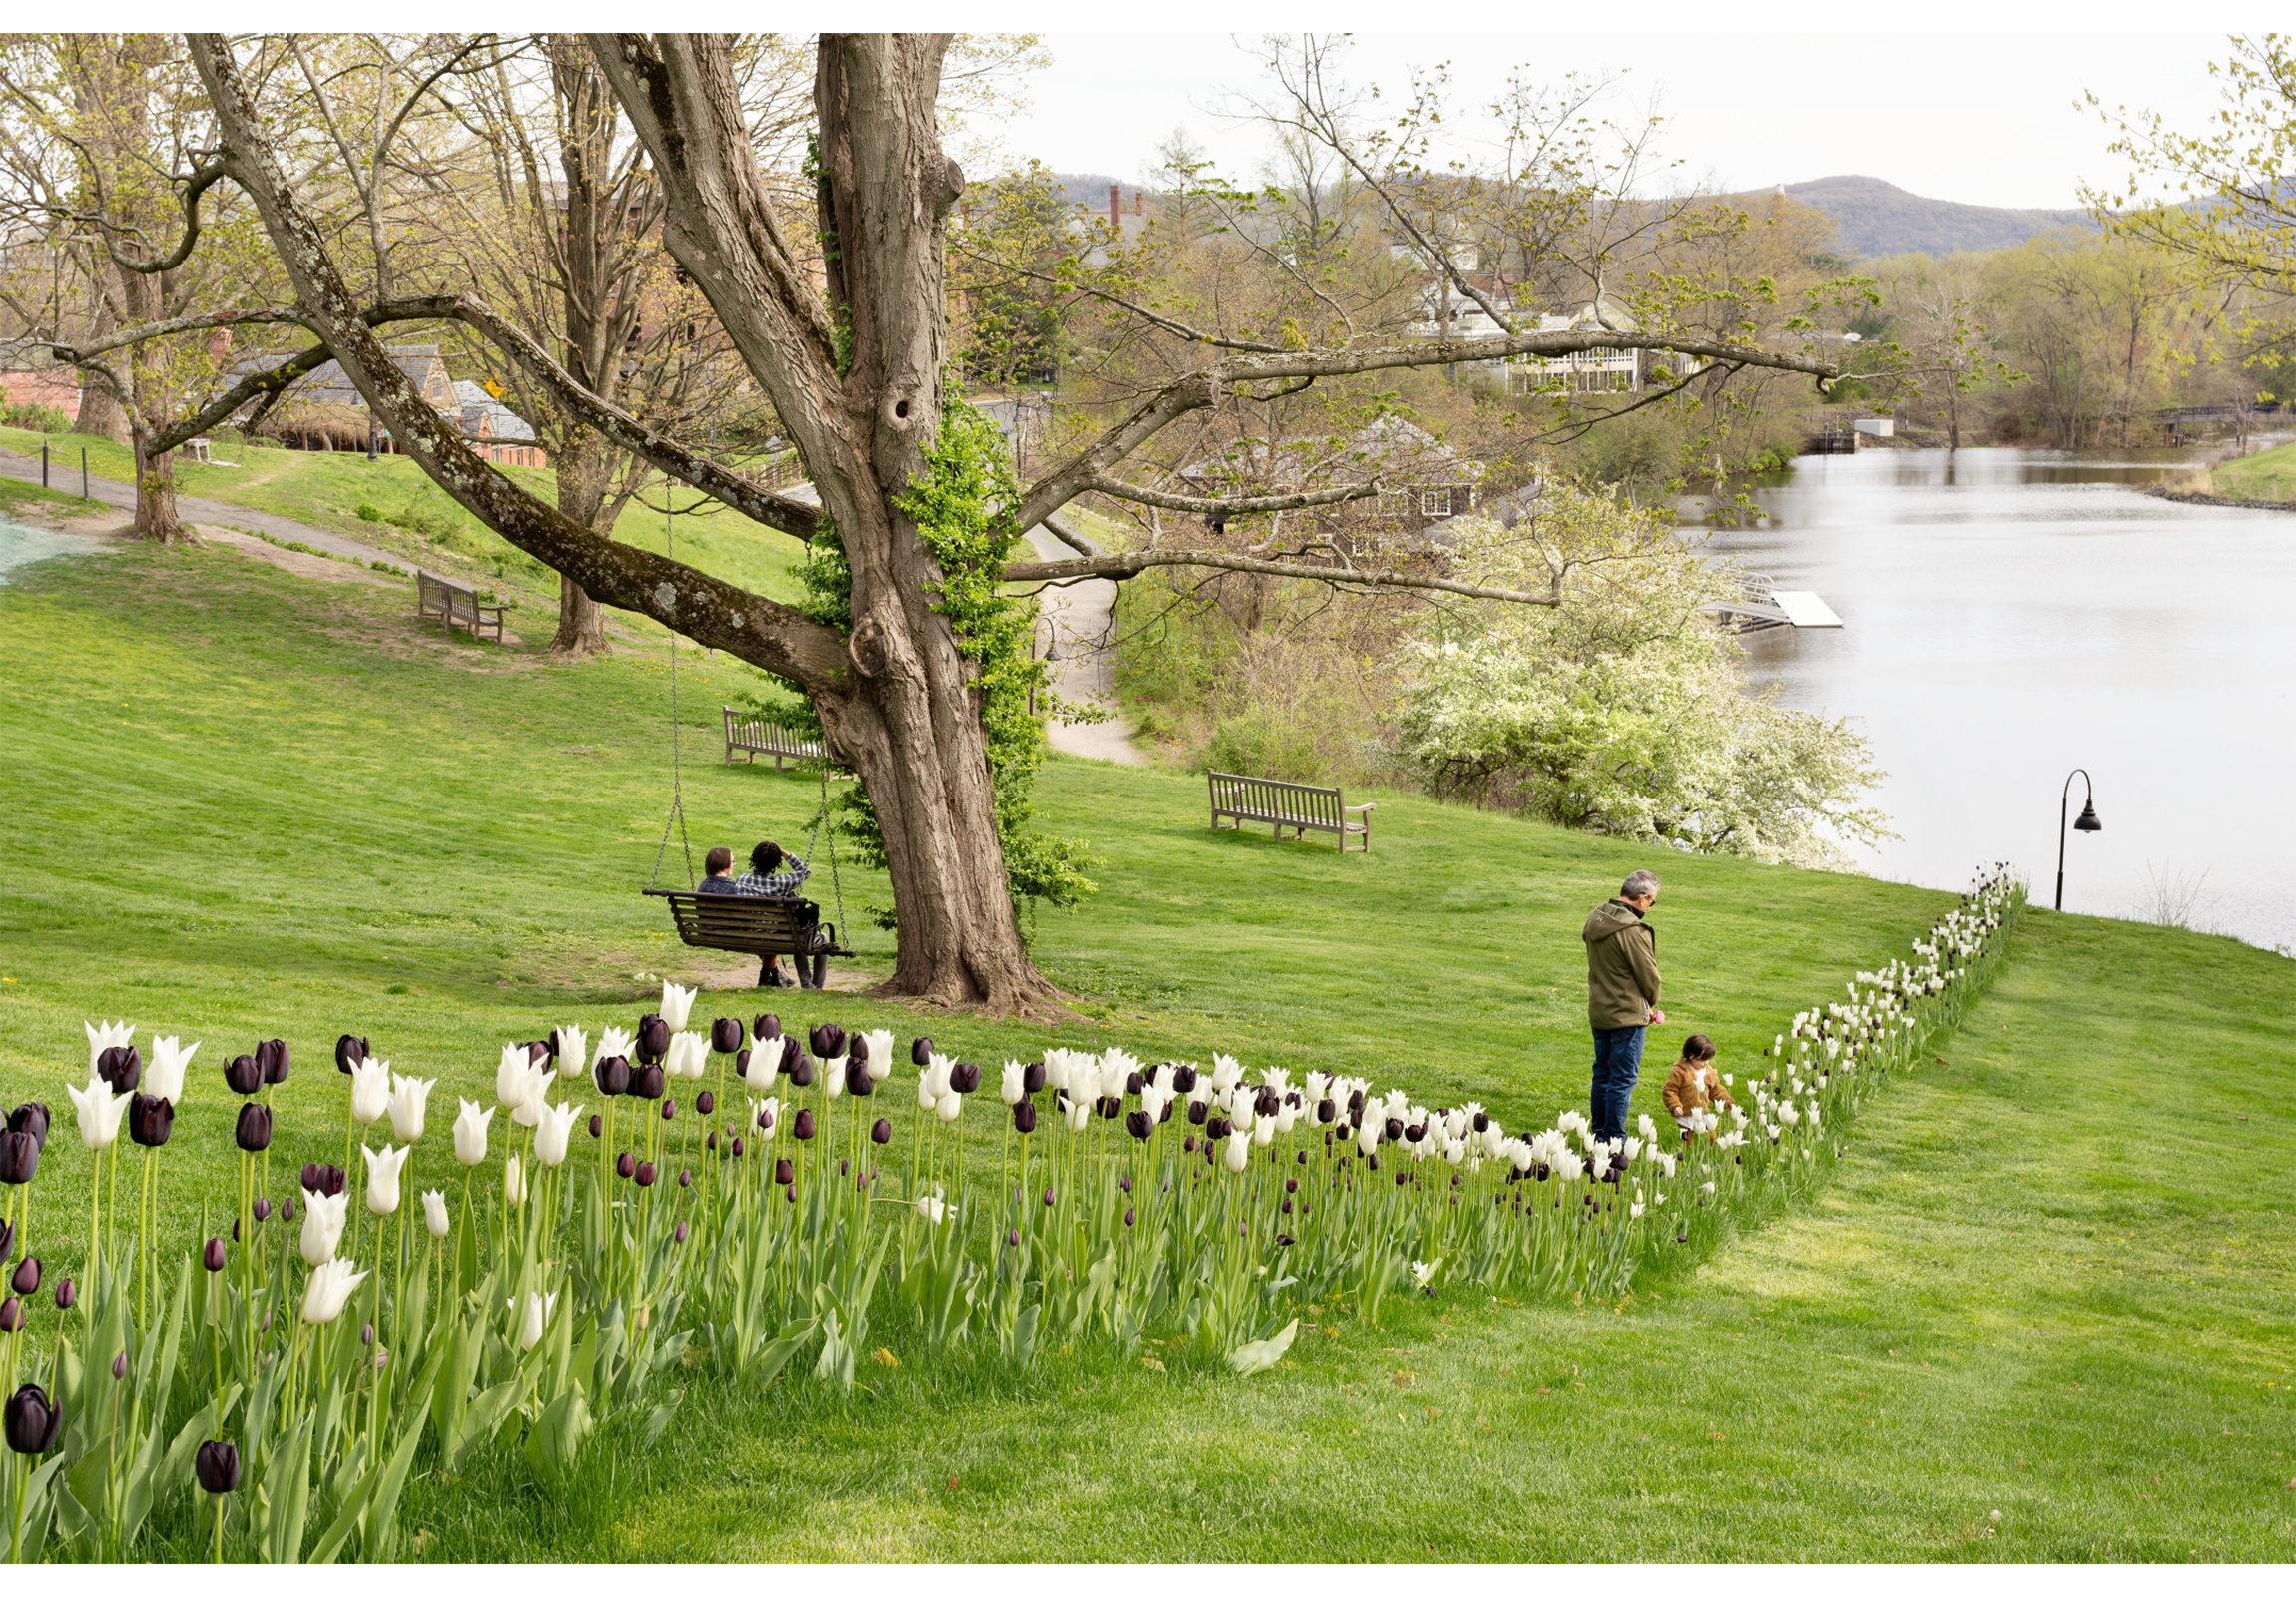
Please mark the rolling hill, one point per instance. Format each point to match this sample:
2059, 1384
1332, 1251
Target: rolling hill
1880, 219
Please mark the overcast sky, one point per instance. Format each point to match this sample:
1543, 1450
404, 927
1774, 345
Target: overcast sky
1990, 120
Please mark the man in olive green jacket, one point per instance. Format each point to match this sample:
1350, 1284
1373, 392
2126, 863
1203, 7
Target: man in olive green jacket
1621, 997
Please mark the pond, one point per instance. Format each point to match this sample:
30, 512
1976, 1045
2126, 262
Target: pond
2011, 614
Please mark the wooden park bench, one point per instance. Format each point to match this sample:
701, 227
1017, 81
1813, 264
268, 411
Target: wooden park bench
742, 924
1289, 803
755, 736
437, 599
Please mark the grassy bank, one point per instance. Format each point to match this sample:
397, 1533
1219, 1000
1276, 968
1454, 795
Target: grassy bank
2051, 1278
2268, 475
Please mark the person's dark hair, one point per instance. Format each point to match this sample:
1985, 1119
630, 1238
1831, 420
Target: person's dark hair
718, 859
765, 859
1698, 1046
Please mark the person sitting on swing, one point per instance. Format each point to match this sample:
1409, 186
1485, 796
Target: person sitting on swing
774, 874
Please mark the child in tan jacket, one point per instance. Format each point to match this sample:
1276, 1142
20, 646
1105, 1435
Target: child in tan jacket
1694, 1084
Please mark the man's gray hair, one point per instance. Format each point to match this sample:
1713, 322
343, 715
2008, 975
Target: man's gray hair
1642, 884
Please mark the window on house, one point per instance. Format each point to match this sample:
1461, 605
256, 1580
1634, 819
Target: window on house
1434, 501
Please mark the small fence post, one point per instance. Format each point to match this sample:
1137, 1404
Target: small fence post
83, 472
43, 465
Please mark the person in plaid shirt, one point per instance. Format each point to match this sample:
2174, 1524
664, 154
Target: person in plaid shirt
774, 874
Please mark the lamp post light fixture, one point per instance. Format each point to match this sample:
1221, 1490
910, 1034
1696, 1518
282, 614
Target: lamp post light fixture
2086, 823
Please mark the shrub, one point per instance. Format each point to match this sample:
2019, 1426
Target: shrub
36, 418
367, 512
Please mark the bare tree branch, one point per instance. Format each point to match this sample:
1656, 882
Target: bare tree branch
1263, 505
1119, 568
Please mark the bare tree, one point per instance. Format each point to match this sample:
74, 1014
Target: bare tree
856, 375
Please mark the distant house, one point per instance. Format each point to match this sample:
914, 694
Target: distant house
29, 375
1585, 371
325, 410
1421, 480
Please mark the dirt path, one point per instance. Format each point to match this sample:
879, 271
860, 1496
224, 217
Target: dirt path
1079, 622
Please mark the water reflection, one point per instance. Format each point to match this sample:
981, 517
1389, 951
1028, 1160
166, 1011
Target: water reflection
2011, 614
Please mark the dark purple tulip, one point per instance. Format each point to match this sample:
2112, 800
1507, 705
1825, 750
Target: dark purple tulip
1291, 1184
366, 1333
1024, 1116
1012, 1237
1138, 1123
921, 1053
858, 1081
712, 1144
1165, 1113
612, 1076
272, 1057
648, 1082
1048, 1197
1302, 1156
325, 1180
741, 1064
122, 1067
801, 1074
766, 1027
31, 1422
782, 1174
120, 1364
1373, 1160
805, 1126
1482, 1121
32, 1119
234, 1231
1355, 1105
1128, 1217
1327, 1112
1184, 1079
244, 1076
626, 1163
792, 1052
19, 1157
1032, 1078
857, 1048
216, 1464
212, 1255
1197, 1109
67, 1294
827, 1040
27, 1277
652, 1039
254, 1128
646, 1173
263, 1210
7, 1238
1133, 1083
10, 1315
1412, 1133
1267, 1101
536, 1052
349, 1051
725, 1034
685, 1178
681, 1231
764, 1116
1109, 1108
669, 1109
880, 1133
1393, 1129
597, 1126
964, 1078
150, 1120
1216, 1129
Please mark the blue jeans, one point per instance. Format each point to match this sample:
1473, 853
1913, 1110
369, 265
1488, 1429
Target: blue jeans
1617, 1065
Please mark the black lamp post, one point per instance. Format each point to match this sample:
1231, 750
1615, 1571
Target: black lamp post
2086, 823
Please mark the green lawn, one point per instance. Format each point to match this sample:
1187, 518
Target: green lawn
2051, 1276
2269, 475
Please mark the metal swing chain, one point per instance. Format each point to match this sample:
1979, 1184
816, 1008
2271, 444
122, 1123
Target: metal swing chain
820, 819
677, 815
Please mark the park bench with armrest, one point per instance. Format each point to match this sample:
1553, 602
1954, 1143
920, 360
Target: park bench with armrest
755, 736
1292, 804
438, 599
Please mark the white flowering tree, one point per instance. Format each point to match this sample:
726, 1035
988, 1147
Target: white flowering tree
1622, 708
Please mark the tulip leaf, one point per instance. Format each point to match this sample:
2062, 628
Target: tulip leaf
1255, 1357
555, 1442
40, 1500
288, 1482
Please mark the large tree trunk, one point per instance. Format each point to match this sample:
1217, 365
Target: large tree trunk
581, 494
156, 517
100, 413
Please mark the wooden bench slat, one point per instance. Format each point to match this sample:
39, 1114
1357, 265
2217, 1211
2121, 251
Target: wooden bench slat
455, 605
741, 924
755, 736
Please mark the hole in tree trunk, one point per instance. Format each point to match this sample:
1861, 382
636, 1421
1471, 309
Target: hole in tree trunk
902, 410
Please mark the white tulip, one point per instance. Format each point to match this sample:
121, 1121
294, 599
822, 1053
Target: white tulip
677, 1004
1240, 1110
1078, 1111
513, 1076
530, 1108
1234, 1152
370, 1090
323, 1222
1225, 1072
434, 1217
765, 1064
470, 1133
937, 1072
613, 1043
1263, 1131
950, 1107
1367, 1139
1424, 1270
926, 1096
513, 1181
832, 1077
573, 1050
106, 1034
163, 1076
932, 1205
382, 1177
880, 1054
1635, 1211
409, 1099
329, 1288
554, 1132
1015, 1084
100, 1110
539, 1307
1318, 1086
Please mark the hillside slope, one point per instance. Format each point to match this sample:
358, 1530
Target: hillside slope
1880, 219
